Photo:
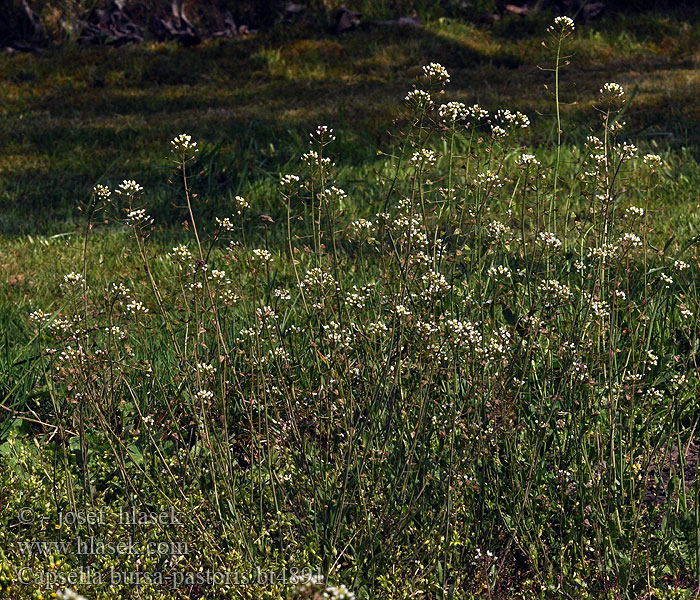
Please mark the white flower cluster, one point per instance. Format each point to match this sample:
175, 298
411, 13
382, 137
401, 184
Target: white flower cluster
102, 192
498, 231
630, 240
605, 252
465, 334
527, 160
317, 278
69, 594
513, 119
594, 144
376, 328
262, 256
335, 193
653, 161
241, 204
312, 159
282, 294
138, 218
129, 187
225, 223
134, 307
452, 111
499, 272
628, 151
563, 26
184, 143
204, 396
555, 289
612, 93
338, 336
322, 135
357, 298
181, 255
73, 279
436, 72
419, 99
424, 158
487, 180
289, 180
634, 211
435, 284
476, 113
549, 240
338, 593
498, 132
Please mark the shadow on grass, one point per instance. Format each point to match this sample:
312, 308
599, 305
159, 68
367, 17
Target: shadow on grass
78, 116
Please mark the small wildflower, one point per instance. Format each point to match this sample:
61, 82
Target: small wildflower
612, 93
653, 161
419, 99
452, 111
225, 224
323, 135
338, 593
527, 160
181, 255
548, 239
129, 187
241, 204
563, 27
134, 307
183, 143
204, 396
424, 158
138, 218
102, 192
263, 256
289, 180
436, 72
73, 279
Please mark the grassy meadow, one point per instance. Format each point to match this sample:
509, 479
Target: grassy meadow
406, 313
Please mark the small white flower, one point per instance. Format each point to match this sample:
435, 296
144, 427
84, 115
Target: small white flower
138, 218
102, 192
134, 307
338, 593
262, 255
289, 180
527, 160
129, 187
322, 135
436, 72
424, 158
241, 204
563, 26
653, 161
225, 223
181, 254
204, 396
419, 99
548, 239
452, 111
612, 93
73, 279
184, 143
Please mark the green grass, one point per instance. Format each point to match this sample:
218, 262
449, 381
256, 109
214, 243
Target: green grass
389, 428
